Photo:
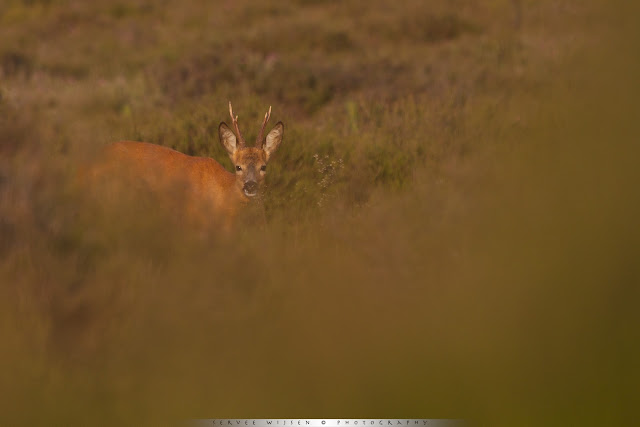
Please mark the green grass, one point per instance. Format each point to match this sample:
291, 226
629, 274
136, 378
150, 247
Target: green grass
451, 215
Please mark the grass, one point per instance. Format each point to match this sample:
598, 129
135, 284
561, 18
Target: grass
450, 216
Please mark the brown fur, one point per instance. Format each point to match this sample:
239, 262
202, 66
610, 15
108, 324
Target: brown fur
209, 194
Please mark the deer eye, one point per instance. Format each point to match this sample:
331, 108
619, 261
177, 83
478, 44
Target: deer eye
263, 168
238, 167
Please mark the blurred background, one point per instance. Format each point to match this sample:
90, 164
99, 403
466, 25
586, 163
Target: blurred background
452, 216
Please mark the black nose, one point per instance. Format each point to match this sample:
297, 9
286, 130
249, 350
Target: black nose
250, 187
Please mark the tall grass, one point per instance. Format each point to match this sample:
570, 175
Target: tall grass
450, 216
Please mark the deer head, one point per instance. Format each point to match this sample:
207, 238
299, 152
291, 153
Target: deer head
250, 163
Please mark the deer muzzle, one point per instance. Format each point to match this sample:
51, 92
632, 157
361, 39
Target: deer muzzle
250, 188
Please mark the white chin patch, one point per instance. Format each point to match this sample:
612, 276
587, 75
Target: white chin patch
249, 194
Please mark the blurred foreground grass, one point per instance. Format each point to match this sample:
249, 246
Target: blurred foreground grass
451, 215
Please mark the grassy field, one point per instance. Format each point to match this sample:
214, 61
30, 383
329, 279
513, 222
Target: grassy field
452, 216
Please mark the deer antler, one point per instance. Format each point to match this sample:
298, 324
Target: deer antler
260, 139
234, 119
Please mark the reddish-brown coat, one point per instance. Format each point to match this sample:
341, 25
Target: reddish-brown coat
209, 194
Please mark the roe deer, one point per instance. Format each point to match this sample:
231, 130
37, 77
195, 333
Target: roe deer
207, 191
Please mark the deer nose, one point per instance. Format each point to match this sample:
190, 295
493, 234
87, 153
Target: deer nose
250, 188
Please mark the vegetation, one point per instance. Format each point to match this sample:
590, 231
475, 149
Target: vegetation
451, 216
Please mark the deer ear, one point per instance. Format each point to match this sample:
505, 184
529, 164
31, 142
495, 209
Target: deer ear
273, 139
227, 138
